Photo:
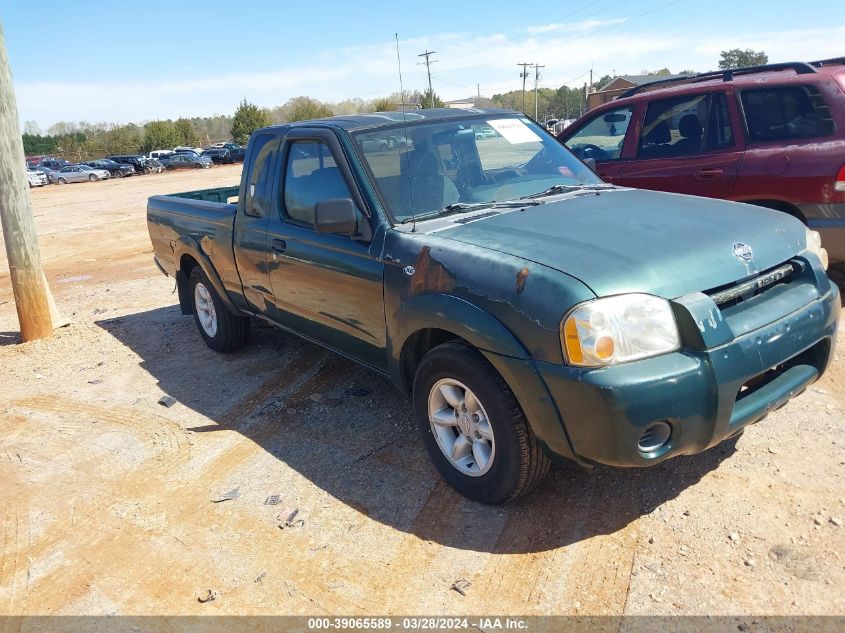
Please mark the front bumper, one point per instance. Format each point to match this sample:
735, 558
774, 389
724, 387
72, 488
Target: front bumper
708, 391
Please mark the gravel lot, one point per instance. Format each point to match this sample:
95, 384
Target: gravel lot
107, 496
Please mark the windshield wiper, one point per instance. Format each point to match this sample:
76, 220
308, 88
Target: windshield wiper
463, 207
556, 189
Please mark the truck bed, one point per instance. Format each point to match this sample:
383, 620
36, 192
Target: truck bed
202, 217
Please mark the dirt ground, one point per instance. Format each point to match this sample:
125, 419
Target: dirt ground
106, 496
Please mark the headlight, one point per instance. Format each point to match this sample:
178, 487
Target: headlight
814, 245
618, 329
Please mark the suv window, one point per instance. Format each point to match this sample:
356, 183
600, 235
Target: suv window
311, 175
606, 133
786, 112
683, 126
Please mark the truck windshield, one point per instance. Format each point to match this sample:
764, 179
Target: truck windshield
425, 167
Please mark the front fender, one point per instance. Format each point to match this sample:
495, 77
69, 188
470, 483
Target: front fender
498, 345
186, 245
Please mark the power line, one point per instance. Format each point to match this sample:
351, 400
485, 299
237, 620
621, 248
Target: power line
584, 35
428, 64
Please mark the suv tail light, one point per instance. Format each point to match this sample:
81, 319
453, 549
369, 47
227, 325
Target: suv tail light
839, 184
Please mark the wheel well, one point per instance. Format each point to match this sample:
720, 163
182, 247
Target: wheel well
779, 205
418, 345
183, 274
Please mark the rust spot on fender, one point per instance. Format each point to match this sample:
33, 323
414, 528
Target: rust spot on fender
429, 275
521, 276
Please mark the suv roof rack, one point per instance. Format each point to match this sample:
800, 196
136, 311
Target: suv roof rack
833, 61
800, 68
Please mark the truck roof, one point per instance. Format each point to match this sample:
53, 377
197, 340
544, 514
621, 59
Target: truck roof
352, 122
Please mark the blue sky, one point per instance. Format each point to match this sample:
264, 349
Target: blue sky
136, 62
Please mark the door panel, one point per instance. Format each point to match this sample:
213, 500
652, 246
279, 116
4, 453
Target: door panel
688, 145
326, 287
250, 235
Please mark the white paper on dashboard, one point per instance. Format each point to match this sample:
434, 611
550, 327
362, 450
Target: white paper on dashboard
514, 131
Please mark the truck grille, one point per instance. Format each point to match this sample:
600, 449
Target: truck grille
727, 296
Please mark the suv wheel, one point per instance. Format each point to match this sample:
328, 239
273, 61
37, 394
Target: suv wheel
473, 428
221, 330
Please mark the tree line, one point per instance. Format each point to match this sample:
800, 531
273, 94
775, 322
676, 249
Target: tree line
82, 140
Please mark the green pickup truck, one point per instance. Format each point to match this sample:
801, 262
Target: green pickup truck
532, 311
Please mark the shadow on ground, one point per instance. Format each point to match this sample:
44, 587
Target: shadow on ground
350, 432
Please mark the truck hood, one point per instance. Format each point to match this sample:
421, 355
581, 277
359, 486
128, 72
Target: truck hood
631, 240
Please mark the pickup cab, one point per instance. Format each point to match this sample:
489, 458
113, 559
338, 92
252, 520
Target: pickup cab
532, 311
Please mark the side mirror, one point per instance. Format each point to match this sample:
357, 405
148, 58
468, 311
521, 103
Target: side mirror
591, 163
336, 215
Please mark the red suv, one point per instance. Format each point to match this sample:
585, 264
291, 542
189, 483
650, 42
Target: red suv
770, 135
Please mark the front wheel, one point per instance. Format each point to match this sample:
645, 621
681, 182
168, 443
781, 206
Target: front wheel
473, 427
197, 166
221, 330
62, 181
93, 177
118, 174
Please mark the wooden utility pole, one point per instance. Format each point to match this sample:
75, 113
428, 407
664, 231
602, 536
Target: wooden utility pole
523, 75
32, 295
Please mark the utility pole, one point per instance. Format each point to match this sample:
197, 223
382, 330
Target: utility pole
36, 311
428, 64
523, 74
537, 68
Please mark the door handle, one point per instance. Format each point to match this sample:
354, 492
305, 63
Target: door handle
708, 173
278, 246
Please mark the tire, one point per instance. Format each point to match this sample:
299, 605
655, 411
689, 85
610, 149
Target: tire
93, 178
62, 181
118, 174
229, 332
516, 463
197, 166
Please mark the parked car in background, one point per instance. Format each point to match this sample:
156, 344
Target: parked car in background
769, 135
187, 149
36, 178
135, 160
237, 154
80, 173
117, 170
153, 166
219, 155
187, 161
160, 153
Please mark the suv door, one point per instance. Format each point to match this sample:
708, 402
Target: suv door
602, 138
326, 287
687, 144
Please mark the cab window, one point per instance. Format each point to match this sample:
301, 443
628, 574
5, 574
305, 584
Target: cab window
311, 175
258, 186
602, 137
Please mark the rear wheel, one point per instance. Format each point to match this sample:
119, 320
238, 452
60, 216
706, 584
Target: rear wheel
221, 330
473, 427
